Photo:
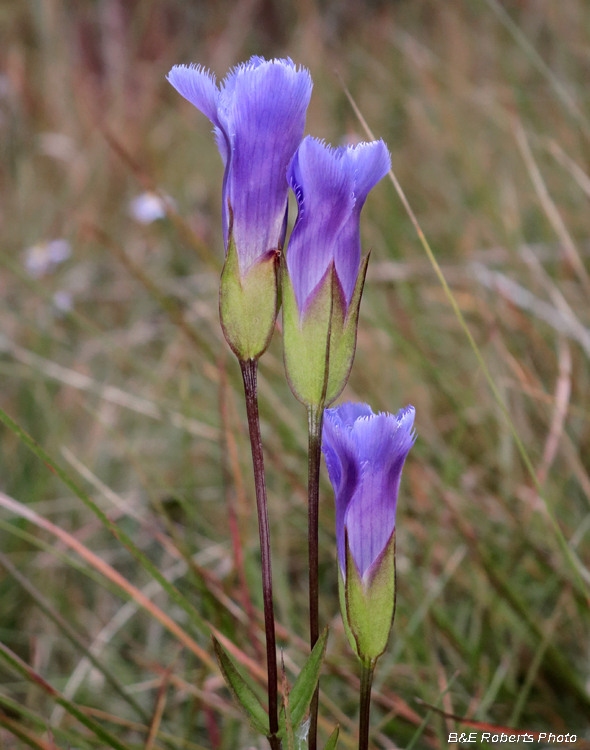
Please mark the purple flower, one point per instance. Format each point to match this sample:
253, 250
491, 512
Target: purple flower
259, 116
365, 454
331, 186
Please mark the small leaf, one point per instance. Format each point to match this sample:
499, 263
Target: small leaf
243, 695
305, 685
333, 741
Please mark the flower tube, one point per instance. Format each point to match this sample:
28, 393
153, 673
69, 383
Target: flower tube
365, 454
258, 115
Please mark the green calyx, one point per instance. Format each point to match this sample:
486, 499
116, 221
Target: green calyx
342, 600
306, 341
248, 304
319, 345
343, 335
368, 606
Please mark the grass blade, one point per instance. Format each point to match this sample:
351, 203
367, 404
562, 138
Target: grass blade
119, 534
567, 552
69, 738
23, 734
70, 634
560, 90
111, 574
22, 668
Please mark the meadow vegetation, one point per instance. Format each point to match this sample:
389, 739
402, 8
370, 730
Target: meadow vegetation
112, 360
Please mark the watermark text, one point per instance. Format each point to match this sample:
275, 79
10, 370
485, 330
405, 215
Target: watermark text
548, 738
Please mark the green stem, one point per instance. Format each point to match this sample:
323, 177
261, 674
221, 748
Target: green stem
249, 374
315, 415
367, 670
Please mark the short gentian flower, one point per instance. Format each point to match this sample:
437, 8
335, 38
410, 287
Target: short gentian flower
365, 454
324, 274
258, 115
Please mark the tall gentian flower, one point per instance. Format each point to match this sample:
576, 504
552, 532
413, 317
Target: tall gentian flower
365, 454
324, 274
258, 115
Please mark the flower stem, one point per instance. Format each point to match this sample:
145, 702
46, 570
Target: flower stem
249, 374
367, 670
315, 415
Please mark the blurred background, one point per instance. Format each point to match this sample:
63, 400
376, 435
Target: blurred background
112, 360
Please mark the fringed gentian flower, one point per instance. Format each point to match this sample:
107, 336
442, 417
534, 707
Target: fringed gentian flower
324, 275
259, 117
365, 454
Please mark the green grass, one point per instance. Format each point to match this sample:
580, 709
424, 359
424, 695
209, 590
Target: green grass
135, 395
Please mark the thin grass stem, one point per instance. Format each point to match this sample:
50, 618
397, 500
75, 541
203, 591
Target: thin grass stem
565, 549
29, 674
46, 607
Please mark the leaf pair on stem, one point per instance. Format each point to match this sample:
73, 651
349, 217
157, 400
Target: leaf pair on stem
295, 704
